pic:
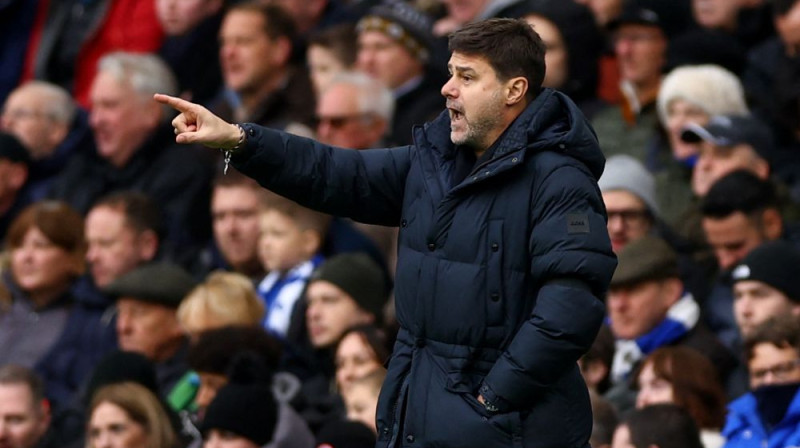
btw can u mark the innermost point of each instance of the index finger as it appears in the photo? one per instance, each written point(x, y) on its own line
point(178, 103)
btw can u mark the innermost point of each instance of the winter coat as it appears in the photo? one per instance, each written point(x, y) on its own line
point(743, 427)
point(498, 274)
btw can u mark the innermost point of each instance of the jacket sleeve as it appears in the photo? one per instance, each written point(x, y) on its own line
point(365, 185)
point(571, 264)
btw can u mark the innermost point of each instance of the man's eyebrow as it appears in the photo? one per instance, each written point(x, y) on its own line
point(461, 69)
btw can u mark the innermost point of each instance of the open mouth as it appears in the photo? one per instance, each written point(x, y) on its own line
point(455, 115)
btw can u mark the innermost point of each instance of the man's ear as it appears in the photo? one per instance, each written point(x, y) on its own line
point(516, 88)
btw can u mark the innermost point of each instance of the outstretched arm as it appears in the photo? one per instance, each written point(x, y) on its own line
point(196, 124)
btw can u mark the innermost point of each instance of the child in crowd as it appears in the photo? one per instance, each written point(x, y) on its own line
point(361, 398)
point(291, 238)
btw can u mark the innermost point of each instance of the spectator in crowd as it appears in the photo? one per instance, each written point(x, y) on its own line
point(330, 51)
point(361, 398)
point(24, 412)
point(604, 11)
point(740, 212)
point(688, 94)
point(640, 46)
point(648, 309)
point(728, 143)
point(14, 174)
point(683, 376)
point(765, 285)
point(395, 46)
point(255, 50)
point(595, 364)
point(76, 35)
point(42, 323)
point(574, 45)
point(354, 111)
point(657, 426)
point(191, 29)
point(44, 117)
point(147, 299)
point(124, 229)
point(768, 415)
point(128, 415)
point(236, 205)
point(747, 21)
point(289, 249)
point(629, 195)
point(222, 299)
point(604, 421)
point(135, 151)
point(362, 350)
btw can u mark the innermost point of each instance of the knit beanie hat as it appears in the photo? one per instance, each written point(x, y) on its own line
point(345, 434)
point(403, 23)
point(712, 88)
point(360, 277)
point(624, 172)
point(776, 263)
point(245, 406)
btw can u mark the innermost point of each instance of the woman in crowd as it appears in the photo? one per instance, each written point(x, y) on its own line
point(361, 351)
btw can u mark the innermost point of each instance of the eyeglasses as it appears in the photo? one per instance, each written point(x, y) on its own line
point(779, 371)
point(339, 121)
point(629, 217)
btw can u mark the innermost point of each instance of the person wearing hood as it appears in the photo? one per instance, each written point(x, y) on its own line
point(768, 415)
point(503, 250)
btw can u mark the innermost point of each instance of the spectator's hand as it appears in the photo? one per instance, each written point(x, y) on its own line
point(196, 124)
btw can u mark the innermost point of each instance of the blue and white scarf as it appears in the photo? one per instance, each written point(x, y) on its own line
point(681, 318)
point(281, 292)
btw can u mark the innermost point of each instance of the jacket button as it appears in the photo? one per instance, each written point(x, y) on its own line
point(495, 297)
point(431, 247)
point(252, 132)
point(385, 430)
point(403, 223)
point(495, 247)
point(410, 438)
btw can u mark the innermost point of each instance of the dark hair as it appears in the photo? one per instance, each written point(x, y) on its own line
point(511, 47)
point(604, 420)
point(215, 349)
point(372, 336)
point(141, 212)
point(781, 7)
point(341, 40)
point(602, 351)
point(14, 374)
point(695, 383)
point(59, 222)
point(739, 191)
point(782, 331)
point(662, 425)
point(277, 21)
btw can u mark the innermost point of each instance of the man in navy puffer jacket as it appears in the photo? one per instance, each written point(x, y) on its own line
point(503, 251)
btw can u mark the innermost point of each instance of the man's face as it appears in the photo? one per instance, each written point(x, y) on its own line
point(341, 122)
point(22, 421)
point(147, 328)
point(475, 101)
point(120, 118)
point(732, 237)
point(235, 214)
point(210, 384)
point(25, 116)
point(385, 59)
point(788, 28)
point(715, 162)
point(323, 65)
point(114, 247)
point(755, 302)
point(464, 11)
point(330, 312)
point(716, 14)
point(637, 309)
point(178, 17)
point(555, 58)
point(771, 365)
point(640, 51)
point(247, 54)
point(628, 219)
point(282, 245)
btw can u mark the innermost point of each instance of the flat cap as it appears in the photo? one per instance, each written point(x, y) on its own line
point(160, 283)
point(648, 258)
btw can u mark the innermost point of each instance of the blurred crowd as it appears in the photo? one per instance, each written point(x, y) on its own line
point(148, 299)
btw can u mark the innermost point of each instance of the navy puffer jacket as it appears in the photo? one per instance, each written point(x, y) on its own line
point(498, 277)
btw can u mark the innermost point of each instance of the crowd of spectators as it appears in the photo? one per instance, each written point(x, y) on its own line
point(151, 298)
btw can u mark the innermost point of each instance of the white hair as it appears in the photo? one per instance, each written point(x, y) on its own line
point(373, 96)
point(146, 73)
point(710, 87)
point(58, 103)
